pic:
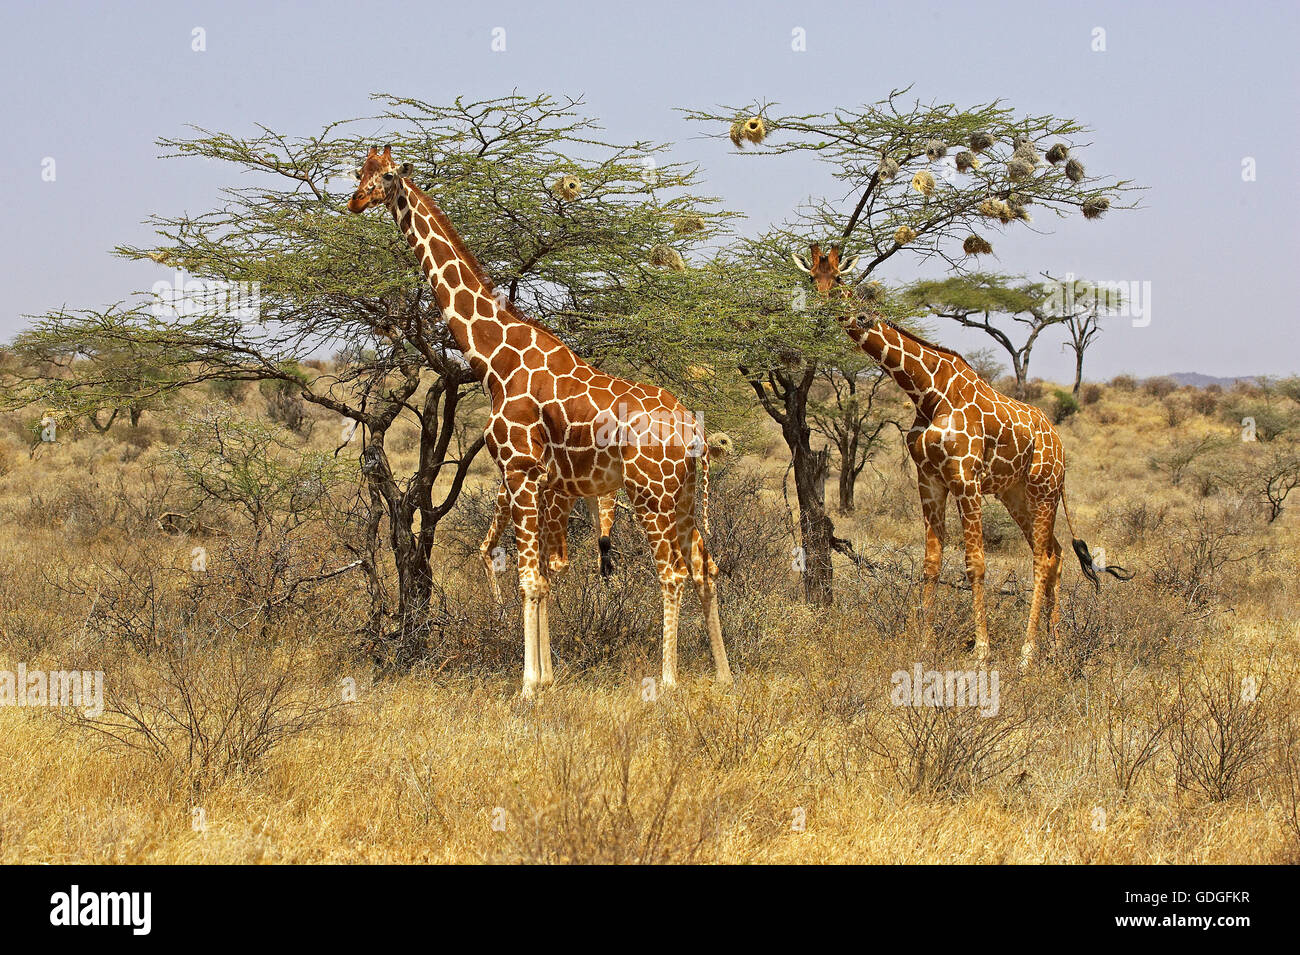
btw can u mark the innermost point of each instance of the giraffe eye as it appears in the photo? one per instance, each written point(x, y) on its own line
point(388, 176)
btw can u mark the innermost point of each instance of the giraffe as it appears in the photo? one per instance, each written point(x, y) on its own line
point(968, 440)
point(602, 510)
point(560, 429)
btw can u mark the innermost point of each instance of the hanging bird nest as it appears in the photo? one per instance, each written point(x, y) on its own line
point(1058, 153)
point(162, 257)
point(981, 141)
point(1074, 171)
point(996, 209)
point(1018, 168)
point(967, 161)
point(1028, 153)
point(935, 149)
point(872, 292)
point(1019, 140)
point(567, 187)
point(1017, 207)
point(748, 129)
point(888, 169)
point(976, 245)
point(688, 225)
point(668, 258)
point(1095, 207)
point(904, 234)
point(923, 182)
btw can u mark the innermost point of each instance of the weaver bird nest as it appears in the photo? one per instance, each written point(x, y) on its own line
point(923, 182)
point(1095, 207)
point(668, 258)
point(904, 234)
point(567, 187)
point(975, 245)
point(750, 129)
point(688, 225)
point(981, 141)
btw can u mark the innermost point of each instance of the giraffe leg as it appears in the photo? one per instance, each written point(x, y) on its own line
point(555, 547)
point(705, 573)
point(661, 530)
point(488, 549)
point(968, 505)
point(1046, 565)
point(604, 509)
point(525, 502)
point(934, 505)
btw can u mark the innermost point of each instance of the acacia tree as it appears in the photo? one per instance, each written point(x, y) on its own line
point(990, 302)
point(906, 177)
point(328, 282)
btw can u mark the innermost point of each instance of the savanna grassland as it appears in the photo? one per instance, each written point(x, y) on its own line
point(247, 718)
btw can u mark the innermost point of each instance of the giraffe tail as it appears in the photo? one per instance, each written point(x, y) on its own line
point(1090, 566)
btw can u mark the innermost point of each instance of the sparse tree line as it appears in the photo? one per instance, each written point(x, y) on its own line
point(612, 245)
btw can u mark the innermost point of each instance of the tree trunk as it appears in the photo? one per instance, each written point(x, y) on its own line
point(816, 531)
point(848, 484)
point(1078, 370)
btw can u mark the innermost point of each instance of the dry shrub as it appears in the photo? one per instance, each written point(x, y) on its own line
point(1205, 402)
point(1160, 387)
point(206, 673)
point(1130, 716)
point(1176, 410)
point(949, 751)
point(1221, 726)
point(1198, 555)
point(1124, 383)
point(1137, 518)
point(1090, 394)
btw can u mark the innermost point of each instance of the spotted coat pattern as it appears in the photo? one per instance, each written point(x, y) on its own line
point(967, 440)
point(560, 429)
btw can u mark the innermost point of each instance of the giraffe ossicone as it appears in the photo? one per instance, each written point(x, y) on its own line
point(541, 431)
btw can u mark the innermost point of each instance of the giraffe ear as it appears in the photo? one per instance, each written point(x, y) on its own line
point(388, 151)
point(849, 264)
point(405, 169)
point(800, 262)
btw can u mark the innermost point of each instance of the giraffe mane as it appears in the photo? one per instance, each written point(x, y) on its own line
point(952, 353)
point(452, 236)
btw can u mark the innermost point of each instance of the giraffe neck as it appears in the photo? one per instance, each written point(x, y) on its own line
point(477, 319)
point(921, 370)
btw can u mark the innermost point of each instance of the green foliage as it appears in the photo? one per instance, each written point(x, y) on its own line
point(1065, 405)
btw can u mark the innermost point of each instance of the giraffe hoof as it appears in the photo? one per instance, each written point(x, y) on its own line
point(1026, 658)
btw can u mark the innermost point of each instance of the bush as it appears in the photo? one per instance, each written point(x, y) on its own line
point(1064, 406)
point(1204, 402)
point(1090, 394)
point(1160, 387)
point(1124, 383)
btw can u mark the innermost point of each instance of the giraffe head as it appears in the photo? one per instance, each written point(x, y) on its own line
point(376, 178)
point(825, 271)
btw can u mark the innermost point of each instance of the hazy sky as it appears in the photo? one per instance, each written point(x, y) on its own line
point(1181, 95)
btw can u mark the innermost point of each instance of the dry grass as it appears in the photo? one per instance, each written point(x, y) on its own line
point(1105, 754)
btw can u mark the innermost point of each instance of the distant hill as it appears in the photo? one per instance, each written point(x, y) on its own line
point(1197, 380)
